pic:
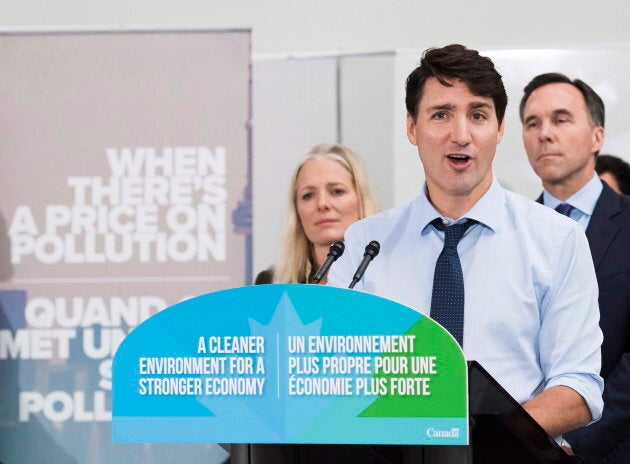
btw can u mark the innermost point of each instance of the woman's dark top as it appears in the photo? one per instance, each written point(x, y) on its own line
point(266, 277)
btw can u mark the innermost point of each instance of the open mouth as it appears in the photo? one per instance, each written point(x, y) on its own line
point(459, 160)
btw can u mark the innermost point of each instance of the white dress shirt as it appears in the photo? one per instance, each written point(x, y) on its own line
point(583, 201)
point(531, 313)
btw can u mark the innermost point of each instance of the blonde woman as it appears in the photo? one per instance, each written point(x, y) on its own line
point(329, 191)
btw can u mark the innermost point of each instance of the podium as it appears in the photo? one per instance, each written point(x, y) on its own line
point(501, 432)
point(309, 374)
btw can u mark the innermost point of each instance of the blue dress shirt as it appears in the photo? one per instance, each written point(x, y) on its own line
point(583, 201)
point(531, 313)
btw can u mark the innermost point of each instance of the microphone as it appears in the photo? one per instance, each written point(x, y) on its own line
point(336, 250)
point(371, 251)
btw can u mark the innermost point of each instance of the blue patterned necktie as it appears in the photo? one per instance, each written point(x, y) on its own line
point(447, 299)
point(564, 208)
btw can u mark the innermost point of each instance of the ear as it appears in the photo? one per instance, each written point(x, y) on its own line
point(598, 138)
point(501, 131)
point(411, 130)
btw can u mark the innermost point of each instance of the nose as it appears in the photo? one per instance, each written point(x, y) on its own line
point(545, 134)
point(460, 133)
point(323, 201)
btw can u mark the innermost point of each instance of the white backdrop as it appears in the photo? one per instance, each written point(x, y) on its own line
point(350, 26)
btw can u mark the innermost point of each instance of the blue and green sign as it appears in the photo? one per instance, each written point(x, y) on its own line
point(290, 364)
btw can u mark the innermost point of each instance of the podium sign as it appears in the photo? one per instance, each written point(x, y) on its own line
point(290, 364)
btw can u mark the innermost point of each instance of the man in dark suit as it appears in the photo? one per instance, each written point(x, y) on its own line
point(563, 130)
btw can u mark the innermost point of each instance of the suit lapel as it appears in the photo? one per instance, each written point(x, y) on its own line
point(601, 229)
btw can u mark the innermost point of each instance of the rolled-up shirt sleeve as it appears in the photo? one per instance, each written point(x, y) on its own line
point(570, 336)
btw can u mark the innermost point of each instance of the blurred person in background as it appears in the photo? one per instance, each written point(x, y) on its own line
point(615, 172)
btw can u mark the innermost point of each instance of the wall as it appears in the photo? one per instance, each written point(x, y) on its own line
point(349, 25)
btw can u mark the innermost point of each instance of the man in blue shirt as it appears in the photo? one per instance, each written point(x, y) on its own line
point(529, 296)
point(563, 131)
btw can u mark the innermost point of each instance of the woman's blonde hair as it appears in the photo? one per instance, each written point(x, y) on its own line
point(296, 261)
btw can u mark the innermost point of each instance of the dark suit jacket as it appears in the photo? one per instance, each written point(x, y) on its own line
point(608, 233)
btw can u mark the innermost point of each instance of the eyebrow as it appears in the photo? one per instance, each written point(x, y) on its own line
point(450, 106)
point(444, 106)
point(327, 184)
point(478, 105)
point(554, 113)
point(530, 118)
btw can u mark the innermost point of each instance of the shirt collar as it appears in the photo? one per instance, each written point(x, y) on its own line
point(484, 211)
point(583, 200)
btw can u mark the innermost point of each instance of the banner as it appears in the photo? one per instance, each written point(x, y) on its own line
point(290, 364)
point(124, 188)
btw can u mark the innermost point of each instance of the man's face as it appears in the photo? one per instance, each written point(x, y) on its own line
point(559, 136)
point(457, 134)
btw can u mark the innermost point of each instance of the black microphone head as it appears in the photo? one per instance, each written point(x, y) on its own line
point(372, 249)
point(336, 249)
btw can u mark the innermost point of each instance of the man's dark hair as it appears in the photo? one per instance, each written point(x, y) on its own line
point(456, 62)
point(594, 104)
point(618, 168)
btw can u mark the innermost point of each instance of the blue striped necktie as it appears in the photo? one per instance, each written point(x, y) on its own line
point(447, 299)
point(564, 208)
